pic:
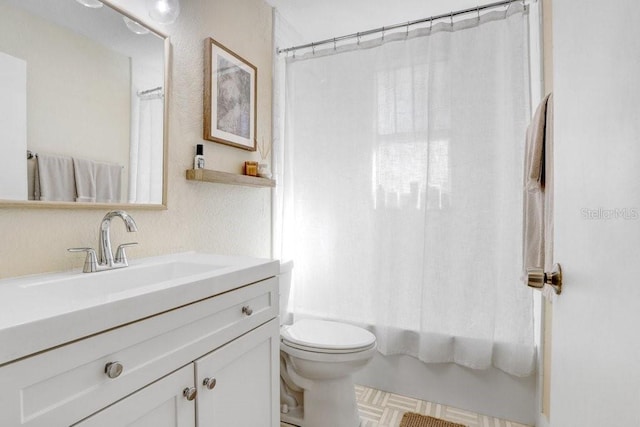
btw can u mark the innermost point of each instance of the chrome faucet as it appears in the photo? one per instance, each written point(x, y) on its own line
point(105, 259)
point(105, 256)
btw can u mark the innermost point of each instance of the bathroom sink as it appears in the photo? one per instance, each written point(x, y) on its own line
point(76, 304)
point(121, 282)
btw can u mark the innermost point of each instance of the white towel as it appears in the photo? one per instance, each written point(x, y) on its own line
point(108, 182)
point(85, 174)
point(54, 178)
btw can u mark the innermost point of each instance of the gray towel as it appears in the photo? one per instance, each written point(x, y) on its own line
point(534, 163)
point(538, 189)
point(108, 182)
point(54, 178)
point(85, 175)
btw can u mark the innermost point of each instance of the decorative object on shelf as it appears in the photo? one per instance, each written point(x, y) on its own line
point(164, 11)
point(198, 160)
point(251, 168)
point(264, 170)
point(230, 88)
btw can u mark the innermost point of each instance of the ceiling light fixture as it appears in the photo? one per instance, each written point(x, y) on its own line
point(94, 4)
point(134, 26)
point(164, 11)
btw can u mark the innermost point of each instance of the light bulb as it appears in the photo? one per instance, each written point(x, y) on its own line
point(164, 11)
point(134, 26)
point(94, 4)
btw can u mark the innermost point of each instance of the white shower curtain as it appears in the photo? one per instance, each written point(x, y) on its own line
point(400, 199)
point(146, 150)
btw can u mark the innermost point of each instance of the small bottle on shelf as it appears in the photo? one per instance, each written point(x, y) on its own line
point(198, 160)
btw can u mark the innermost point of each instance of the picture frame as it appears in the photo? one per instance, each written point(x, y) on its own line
point(230, 97)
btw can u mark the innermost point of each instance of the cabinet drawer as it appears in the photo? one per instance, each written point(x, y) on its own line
point(65, 384)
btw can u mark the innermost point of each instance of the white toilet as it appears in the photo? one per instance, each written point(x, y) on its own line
point(317, 360)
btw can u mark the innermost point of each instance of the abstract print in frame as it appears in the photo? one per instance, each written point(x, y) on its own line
point(230, 84)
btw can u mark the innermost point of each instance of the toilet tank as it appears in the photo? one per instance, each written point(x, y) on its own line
point(286, 271)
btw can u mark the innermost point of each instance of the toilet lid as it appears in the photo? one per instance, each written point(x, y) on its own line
point(326, 336)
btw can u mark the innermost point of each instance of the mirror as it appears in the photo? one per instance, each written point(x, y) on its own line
point(83, 95)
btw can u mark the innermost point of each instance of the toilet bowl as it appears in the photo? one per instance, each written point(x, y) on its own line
point(317, 361)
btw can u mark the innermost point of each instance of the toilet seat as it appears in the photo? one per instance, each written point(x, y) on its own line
point(322, 336)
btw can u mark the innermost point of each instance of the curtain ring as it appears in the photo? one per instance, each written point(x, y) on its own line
point(451, 17)
point(478, 11)
point(358, 36)
point(430, 24)
point(334, 43)
point(407, 33)
point(313, 49)
point(382, 33)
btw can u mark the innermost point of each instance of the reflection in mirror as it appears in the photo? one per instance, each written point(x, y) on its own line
point(83, 92)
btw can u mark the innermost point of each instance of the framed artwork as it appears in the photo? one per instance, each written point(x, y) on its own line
point(230, 87)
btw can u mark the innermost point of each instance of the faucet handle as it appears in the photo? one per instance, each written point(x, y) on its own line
point(90, 262)
point(121, 255)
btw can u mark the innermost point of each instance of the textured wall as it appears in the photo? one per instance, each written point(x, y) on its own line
point(200, 216)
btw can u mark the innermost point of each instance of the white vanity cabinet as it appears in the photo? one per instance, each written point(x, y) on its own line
point(236, 382)
point(136, 374)
point(160, 404)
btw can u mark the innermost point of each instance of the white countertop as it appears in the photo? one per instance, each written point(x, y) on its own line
point(42, 311)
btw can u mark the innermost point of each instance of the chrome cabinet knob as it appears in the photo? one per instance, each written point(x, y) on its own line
point(113, 369)
point(209, 383)
point(190, 393)
point(247, 310)
point(537, 278)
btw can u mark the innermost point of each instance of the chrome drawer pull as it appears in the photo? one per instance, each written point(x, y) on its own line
point(209, 383)
point(113, 369)
point(190, 393)
point(247, 310)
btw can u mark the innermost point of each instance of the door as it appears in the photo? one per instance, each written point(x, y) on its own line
point(238, 383)
point(596, 345)
point(160, 404)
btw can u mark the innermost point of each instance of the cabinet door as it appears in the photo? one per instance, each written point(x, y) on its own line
point(160, 404)
point(246, 373)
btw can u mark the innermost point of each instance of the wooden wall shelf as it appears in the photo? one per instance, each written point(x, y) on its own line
point(208, 175)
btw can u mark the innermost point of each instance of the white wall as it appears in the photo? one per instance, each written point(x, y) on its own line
point(596, 346)
point(200, 216)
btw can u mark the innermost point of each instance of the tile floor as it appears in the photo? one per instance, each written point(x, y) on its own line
point(382, 409)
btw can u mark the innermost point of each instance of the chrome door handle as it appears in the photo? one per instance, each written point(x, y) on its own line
point(537, 278)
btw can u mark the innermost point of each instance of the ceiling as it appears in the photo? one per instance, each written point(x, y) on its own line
point(316, 20)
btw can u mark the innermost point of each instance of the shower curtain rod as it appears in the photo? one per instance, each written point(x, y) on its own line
point(403, 25)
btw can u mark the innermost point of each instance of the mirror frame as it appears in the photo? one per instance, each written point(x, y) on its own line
point(38, 204)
